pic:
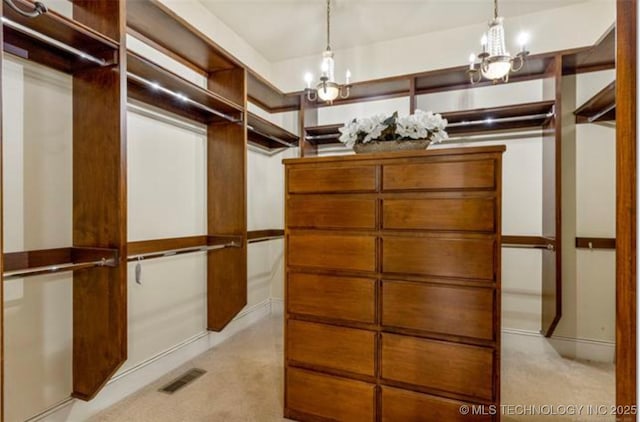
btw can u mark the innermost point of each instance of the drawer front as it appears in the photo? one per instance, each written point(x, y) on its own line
point(344, 298)
point(320, 345)
point(330, 212)
point(328, 251)
point(333, 398)
point(402, 405)
point(478, 174)
point(467, 214)
point(451, 367)
point(334, 179)
point(451, 310)
point(439, 257)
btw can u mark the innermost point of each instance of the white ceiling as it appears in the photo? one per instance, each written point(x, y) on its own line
point(282, 29)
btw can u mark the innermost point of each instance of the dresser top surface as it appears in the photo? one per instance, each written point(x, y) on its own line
point(399, 154)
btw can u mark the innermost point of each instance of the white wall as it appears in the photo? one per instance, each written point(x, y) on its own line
point(37, 143)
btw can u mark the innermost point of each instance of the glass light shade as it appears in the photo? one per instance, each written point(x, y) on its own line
point(328, 65)
point(328, 92)
point(496, 69)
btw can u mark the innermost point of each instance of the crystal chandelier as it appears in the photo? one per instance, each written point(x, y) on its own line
point(495, 62)
point(327, 89)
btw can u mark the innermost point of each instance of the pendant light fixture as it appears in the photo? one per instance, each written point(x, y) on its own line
point(495, 62)
point(327, 89)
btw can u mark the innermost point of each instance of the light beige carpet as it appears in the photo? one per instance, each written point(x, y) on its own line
point(243, 382)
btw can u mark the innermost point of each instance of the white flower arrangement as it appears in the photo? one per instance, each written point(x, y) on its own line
point(382, 128)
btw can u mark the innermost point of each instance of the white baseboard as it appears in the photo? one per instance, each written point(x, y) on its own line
point(574, 348)
point(133, 379)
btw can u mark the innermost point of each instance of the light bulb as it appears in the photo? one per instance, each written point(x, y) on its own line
point(472, 61)
point(484, 40)
point(308, 78)
point(348, 77)
point(523, 40)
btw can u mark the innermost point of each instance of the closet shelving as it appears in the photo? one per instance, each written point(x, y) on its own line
point(56, 41)
point(599, 108)
point(515, 117)
point(150, 83)
point(87, 46)
point(269, 135)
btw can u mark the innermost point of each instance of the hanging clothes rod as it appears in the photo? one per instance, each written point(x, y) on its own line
point(182, 97)
point(53, 42)
point(273, 138)
point(10, 275)
point(601, 113)
point(549, 246)
point(173, 252)
point(489, 121)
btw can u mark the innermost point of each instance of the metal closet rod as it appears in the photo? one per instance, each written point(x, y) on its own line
point(156, 86)
point(273, 138)
point(50, 269)
point(53, 42)
point(548, 246)
point(601, 113)
point(173, 252)
point(487, 121)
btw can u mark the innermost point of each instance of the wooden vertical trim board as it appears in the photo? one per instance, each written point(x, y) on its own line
point(99, 205)
point(307, 117)
point(227, 207)
point(626, 197)
point(413, 100)
point(551, 311)
point(1, 240)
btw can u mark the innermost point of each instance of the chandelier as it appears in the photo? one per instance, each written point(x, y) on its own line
point(495, 62)
point(327, 89)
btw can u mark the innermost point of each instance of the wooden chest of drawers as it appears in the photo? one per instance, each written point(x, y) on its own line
point(393, 285)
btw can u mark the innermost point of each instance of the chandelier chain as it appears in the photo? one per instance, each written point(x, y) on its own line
point(495, 9)
point(328, 24)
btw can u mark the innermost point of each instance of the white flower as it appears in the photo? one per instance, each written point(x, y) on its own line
point(349, 133)
point(372, 127)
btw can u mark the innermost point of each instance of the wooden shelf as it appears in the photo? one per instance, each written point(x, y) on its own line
point(256, 236)
point(599, 108)
point(155, 23)
point(600, 56)
point(515, 117)
point(47, 261)
point(499, 119)
point(38, 39)
point(166, 247)
point(143, 74)
point(268, 97)
point(268, 135)
point(595, 242)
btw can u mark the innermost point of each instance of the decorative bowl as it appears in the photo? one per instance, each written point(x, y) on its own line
point(388, 146)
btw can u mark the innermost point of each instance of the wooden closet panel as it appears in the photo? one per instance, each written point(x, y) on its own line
point(451, 367)
point(464, 214)
point(479, 174)
point(342, 298)
point(335, 179)
point(403, 405)
point(329, 251)
point(333, 398)
point(226, 286)
point(439, 256)
point(452, 310)
point(327, 212)
point(339, 348)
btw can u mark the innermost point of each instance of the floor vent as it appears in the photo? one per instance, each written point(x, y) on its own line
point(183, 380)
